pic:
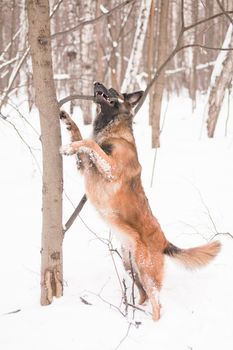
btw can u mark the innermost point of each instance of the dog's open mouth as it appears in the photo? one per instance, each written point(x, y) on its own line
point(99, 96)
point(103, 95)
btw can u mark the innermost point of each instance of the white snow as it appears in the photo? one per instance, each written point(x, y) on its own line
point(192, 197)
point(103, 9)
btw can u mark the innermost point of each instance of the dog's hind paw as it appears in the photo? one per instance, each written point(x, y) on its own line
point(67, 150)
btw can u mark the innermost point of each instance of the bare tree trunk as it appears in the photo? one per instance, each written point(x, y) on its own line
point(46, 101)
point(1, 43)
point(159, 85)
point(150, 58)
point(220, 81)
point(136, 53)
point(193, 72)
point(113, 58)
point(99, 53)
point(87, 59)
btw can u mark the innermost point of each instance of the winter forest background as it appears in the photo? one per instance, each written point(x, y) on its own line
point(180, 52)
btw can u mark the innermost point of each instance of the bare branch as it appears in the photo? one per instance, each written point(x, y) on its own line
point(55, 8)
point(22, 60)
point(206, 47)
point(5, 64)
point(75, 213)
point(13, 76)
point(224, 11)
point(222, 233)
point(182, 16)
point(125, 337)
point(23, 140)
point(94, 20)
point(9, 44)
point(75, 97)
point(207, 19)
point(177, 49)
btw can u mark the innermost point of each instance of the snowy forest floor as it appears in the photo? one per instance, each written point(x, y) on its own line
point(192, 197)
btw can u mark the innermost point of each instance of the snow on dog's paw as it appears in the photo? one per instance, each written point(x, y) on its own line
point(67, 150)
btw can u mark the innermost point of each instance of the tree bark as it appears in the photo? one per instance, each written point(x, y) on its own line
point(137, 49)
point(46, 101)
point(151, 54)
point(87, 59)
point(159, 85)
point(220, 81)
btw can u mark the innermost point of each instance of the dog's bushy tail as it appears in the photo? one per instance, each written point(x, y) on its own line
point(194, 257)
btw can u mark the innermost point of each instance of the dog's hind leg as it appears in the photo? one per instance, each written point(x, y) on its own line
point(151, 273)
point(130, 268)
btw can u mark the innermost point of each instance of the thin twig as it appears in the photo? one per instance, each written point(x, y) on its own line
point(21, 62)
point(207, 19)
point(207, 209)
point(125, 337)
point(93, 20)
point(107, 302)
point(25, 142)
point(224, 11)
point(115, 267)
point(222, 233)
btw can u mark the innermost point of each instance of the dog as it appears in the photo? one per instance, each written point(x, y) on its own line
point(112, 174)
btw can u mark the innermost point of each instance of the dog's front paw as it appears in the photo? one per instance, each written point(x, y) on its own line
point(67, 150)
point(65, 118)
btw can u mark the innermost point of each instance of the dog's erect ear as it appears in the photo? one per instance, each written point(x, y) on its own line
point(134, 97)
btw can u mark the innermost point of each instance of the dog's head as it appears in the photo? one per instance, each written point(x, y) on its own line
point(113, 104)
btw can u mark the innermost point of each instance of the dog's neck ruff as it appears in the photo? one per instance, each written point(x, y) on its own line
point(103, 124)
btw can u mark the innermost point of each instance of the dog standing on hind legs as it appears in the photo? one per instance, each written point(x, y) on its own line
point(112, 174)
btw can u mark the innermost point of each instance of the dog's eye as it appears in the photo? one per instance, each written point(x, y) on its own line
point(112, 102)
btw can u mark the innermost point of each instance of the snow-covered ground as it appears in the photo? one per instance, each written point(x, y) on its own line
point(191, 195)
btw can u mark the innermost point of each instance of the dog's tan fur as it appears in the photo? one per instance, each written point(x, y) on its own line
point(113, 185)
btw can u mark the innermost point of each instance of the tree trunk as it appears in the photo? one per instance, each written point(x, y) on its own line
point(46, 101)
point(151, 54)
point(137, 49)
point(99, 52)
point(159, 85)
point(220, 81)
point(87, 59)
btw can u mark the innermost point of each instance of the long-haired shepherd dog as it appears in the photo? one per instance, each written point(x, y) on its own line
point(112, 173)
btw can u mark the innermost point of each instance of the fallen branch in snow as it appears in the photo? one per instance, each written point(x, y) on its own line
point(11, 312)
point(84, 301)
